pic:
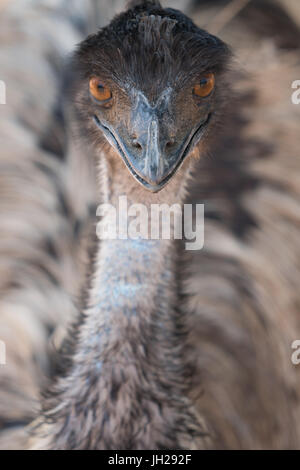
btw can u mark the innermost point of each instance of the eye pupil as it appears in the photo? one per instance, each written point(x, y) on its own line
point(203, 82)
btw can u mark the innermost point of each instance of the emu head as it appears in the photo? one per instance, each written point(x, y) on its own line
point(152, 84)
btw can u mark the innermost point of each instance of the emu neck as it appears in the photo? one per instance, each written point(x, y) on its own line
point(134, 275)
point(128, 387)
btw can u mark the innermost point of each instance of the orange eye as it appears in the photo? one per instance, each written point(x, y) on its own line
point(99, 91)
point(205, 86)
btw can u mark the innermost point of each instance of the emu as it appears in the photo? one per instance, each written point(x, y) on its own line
point(148, 106)
point(173, 350)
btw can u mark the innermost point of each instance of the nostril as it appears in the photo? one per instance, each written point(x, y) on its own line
point(170, 144)
point(136, 144)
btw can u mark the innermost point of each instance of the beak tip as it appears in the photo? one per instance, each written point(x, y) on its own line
point(153, 179)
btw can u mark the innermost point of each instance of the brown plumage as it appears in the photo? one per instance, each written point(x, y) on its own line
point(199, 354)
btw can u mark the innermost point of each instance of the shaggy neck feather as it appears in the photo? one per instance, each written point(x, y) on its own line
point(128, 386)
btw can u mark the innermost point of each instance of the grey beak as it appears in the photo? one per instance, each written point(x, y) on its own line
point(151, 151)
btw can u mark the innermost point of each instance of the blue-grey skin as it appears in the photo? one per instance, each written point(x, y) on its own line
point(152, 156)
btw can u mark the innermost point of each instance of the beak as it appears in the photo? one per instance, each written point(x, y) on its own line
point(149, 151)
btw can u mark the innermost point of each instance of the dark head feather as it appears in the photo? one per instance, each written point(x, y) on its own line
point(144, 3)
point(149, 41)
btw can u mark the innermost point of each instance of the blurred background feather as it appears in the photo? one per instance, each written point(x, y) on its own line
point(47, 202)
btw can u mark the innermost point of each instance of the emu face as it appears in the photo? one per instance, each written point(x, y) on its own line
point(152, 84)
